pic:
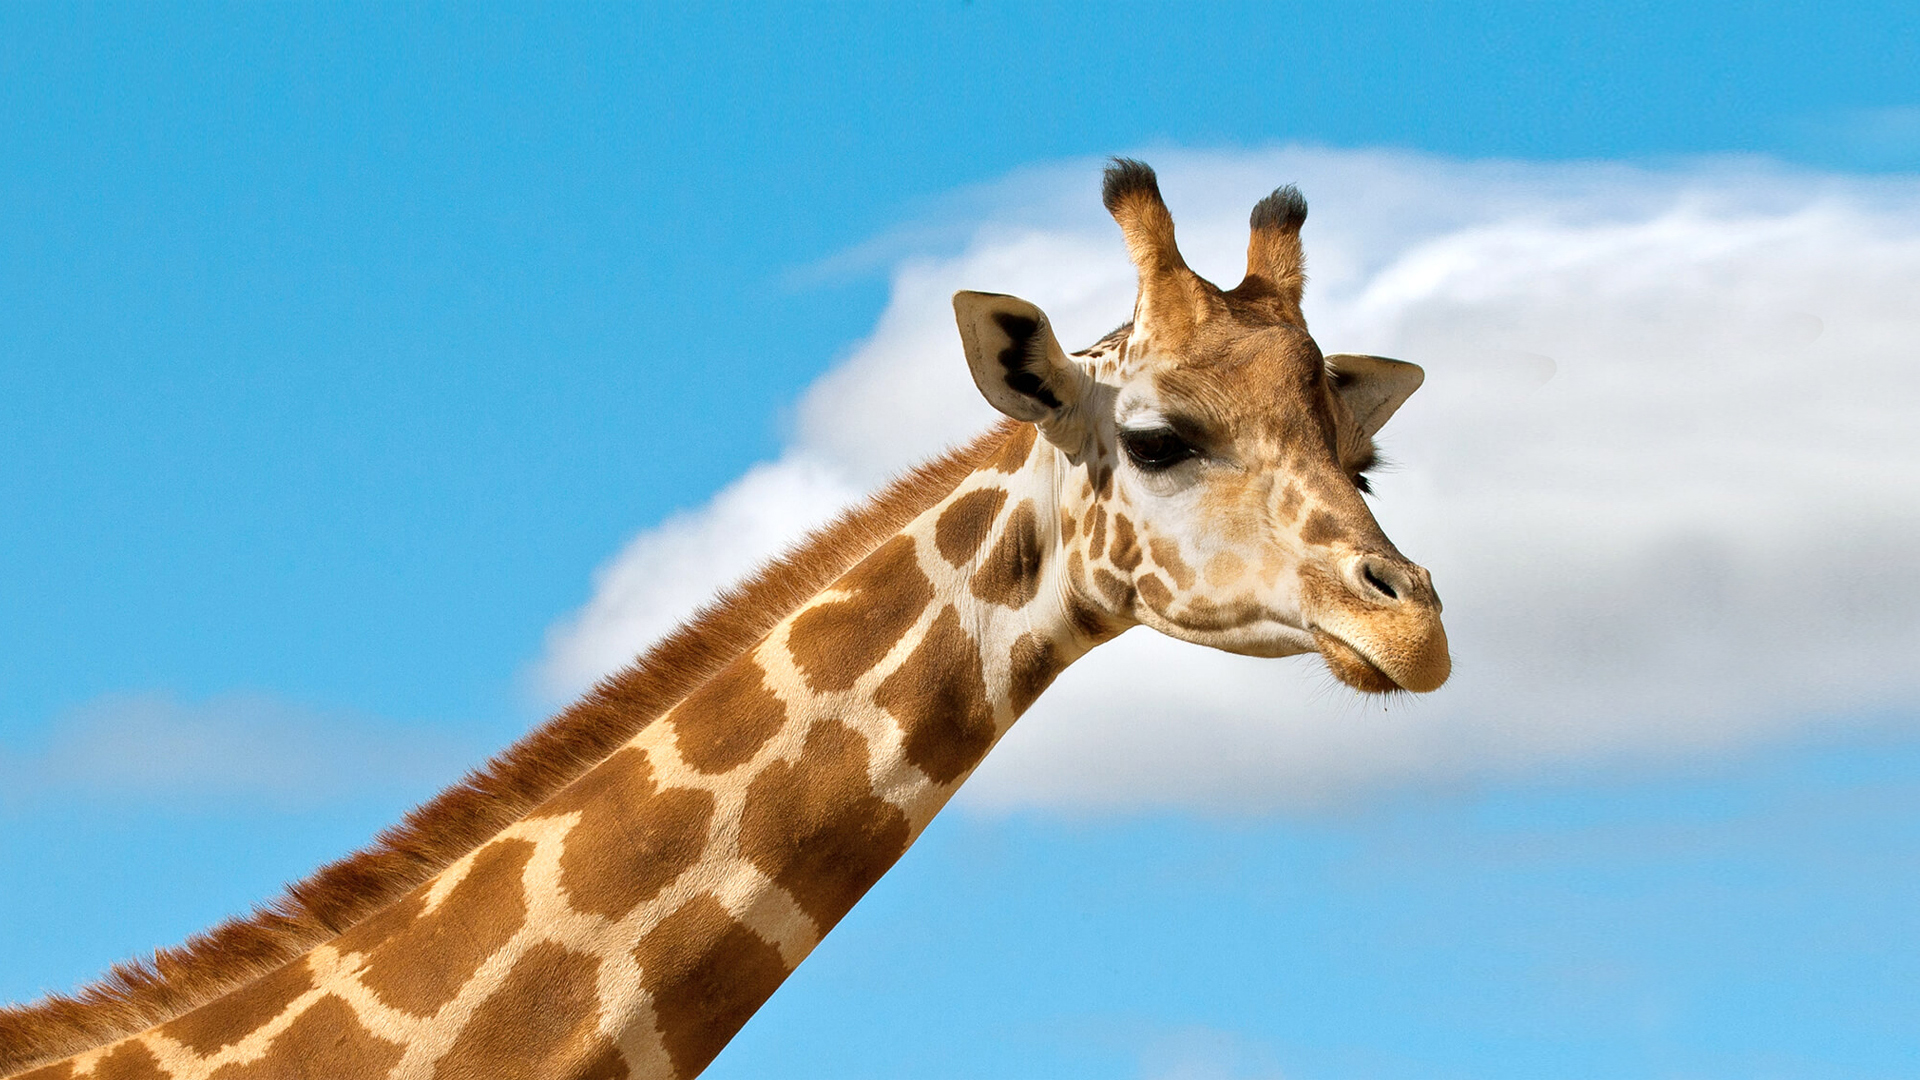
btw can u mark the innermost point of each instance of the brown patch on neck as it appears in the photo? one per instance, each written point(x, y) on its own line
point(939, 695)
point(966, 523)
point(423, 965)
point(1034, 661)
point(728, 720)
point(1014, 451)
point(836, 643)
point(542, 1022)
point(327, 1040)
point(130, 1061)
point(1010, 574)
point(633, 837)
point(138, 994)
point(707, 974)
point(227, 1020)
point(817, 829)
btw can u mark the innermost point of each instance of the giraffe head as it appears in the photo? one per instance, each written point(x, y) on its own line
point(1216, 459)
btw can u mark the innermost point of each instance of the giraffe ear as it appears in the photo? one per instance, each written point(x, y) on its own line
point(1373, 387)
point(1016, 361)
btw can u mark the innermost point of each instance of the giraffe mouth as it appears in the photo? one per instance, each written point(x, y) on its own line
point(1351, 666)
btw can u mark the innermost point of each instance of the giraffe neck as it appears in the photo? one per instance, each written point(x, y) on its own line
point(628, 926)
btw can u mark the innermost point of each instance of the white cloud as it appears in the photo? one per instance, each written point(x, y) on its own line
point(242, 748)
point(1665, 470)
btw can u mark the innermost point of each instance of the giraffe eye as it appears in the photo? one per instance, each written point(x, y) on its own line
point(1156, 449)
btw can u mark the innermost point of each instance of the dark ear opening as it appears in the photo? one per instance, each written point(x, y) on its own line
point(1016, 362)
point(1373, 387)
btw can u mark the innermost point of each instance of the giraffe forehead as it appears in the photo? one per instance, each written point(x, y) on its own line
point(1268, 384)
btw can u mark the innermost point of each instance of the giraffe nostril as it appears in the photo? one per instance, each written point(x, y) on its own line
point(1379, 584)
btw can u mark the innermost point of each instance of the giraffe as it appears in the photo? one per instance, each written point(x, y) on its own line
point(617, 894)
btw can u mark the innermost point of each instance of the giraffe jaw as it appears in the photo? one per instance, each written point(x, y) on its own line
point(1427, 670)
point(1351, 666)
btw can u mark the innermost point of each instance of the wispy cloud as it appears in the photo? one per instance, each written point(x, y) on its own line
point(234, 749)
point(1665, 468)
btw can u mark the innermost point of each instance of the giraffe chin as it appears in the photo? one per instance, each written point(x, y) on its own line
point(1351, 666)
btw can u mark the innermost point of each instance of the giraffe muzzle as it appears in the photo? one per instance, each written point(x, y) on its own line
point(1379, 627)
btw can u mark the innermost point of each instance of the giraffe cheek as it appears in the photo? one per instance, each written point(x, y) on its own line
point(1224, 570)
point(1155, 593)
point(1166, 555)
point(1126, 553)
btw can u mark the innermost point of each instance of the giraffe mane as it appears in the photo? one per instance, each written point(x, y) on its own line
point(140, 993)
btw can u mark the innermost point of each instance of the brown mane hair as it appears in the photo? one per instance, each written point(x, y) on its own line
point(140, 993)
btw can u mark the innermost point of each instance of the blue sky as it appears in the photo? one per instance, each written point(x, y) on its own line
point(343, 346)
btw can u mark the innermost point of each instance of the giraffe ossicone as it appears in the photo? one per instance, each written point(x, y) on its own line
point(616, 895)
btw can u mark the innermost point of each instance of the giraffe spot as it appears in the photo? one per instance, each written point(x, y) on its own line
point(606, 1064)
point(327, 1040)
point(1089, 621)
point(540, 1024)
point(965, 524)
point(1290, 501)
point(1126, 553)
point(633, 837)
point(1033, 663)
point(1224, 569)
point(707, 974)
point(1116, 591)
point(1166, 555)
point(1321, 528)
point(1330, 486)
point(728, 719)
point(836, 643)
point(1205, 614)
point(1154, 592)
point(1087, 618)
point(1010, 574)
point(1097, 536)
point(1012, 455)
point(424, 964)
point(1103, 479)
point(939, 695)
point(815, 827)
point(1067, 525)
point(226, 1020)
point(129, 1061)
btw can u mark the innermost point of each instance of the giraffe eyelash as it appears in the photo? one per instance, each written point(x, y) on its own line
point(1374, 462)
